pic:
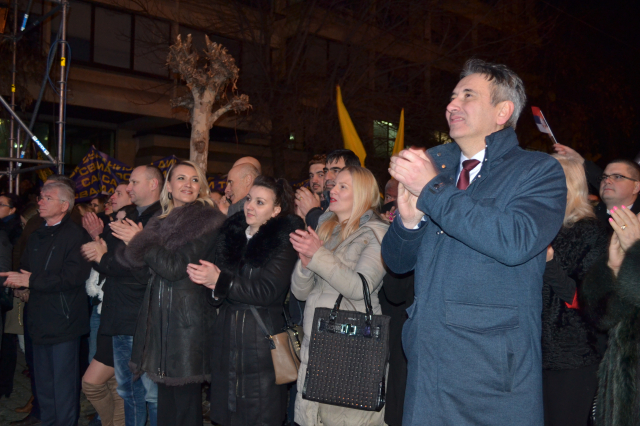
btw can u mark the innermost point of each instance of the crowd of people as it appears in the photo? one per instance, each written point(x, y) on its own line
point(512, 292)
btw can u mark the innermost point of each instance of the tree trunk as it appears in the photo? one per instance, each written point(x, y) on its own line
point(202, 103)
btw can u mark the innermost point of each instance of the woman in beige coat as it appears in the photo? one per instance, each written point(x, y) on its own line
point(347, 243)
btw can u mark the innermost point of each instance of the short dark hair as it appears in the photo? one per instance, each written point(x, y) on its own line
point(12, 198)
point(635, 167)
point(282, 190)
point(102, 198)
point(318, 159)
point(349, 157)
point(152, 172)
point(506, 85)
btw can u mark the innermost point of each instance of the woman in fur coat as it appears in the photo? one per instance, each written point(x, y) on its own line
point(173, 334)
point(612, 296)
point(250, 266)
point(570, 354)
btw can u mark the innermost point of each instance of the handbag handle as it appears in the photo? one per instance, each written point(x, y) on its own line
point(367, 302)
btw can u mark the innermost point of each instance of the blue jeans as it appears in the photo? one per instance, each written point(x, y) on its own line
point(137, 395)
point(94, 324)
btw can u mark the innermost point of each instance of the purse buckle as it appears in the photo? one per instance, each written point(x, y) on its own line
point(348, 329)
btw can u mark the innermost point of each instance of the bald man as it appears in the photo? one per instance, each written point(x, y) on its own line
point(239, 182)
point(249, 160)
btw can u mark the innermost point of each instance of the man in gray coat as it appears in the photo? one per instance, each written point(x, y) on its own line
point(474, 220)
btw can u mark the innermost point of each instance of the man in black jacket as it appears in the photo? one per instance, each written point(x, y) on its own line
point(54, 271)
point(123, 293)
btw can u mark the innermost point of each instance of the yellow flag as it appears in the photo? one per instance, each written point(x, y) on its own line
point(399, 143)
point(349, 134)
point(43, 174)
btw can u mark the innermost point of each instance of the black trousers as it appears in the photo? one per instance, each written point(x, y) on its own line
point(568, 395)
point(180, 405)
point(28, 354)
point(57, 369)
point(8, 360)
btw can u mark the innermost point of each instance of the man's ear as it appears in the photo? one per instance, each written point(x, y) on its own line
point(636, 190)
point(505, 111)
point(154, 184)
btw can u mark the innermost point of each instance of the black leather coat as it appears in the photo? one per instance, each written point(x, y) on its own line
point(255, 272)
point(173, 333)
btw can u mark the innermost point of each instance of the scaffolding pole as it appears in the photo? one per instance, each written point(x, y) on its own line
point(62, 41)
point(62, 84)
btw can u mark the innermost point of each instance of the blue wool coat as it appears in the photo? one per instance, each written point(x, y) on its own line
point(472, 339)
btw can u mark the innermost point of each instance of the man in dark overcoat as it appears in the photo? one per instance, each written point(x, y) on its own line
point(474, 221)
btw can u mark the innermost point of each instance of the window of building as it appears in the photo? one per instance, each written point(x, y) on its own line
point(112, 38)
point(384, 138)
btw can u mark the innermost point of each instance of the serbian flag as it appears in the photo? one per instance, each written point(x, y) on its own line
point(538, 117)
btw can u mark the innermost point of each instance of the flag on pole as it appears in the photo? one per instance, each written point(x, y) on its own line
point(349, 134)
point(399, 143)
point(542, 124)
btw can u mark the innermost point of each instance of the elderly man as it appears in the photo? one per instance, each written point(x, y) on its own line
point(55, 273)
point(474, 220)
point(239, 182)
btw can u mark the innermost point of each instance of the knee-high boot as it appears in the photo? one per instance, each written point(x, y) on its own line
point(100, 397)
point(118, 403)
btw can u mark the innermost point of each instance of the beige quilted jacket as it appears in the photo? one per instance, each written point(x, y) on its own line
point(329, 274)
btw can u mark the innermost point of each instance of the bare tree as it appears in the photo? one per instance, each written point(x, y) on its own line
point(208, 81)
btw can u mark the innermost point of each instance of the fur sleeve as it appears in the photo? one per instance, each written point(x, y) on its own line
point(629, 275)
point(132, 255)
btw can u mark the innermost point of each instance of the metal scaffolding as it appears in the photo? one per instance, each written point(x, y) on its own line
point(15, 159)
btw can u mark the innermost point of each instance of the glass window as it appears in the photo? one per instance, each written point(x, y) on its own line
point(112, 44)
point(78, 30)
point(151, 46)
point(384, 137)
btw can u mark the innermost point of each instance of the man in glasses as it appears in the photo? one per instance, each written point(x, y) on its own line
point(618, 185)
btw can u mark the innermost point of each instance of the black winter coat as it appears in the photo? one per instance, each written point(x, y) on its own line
point(123, 292)
point(174, 329)
point(255, 272)
point(569, 341)
point(614, 303)
point(58, 303)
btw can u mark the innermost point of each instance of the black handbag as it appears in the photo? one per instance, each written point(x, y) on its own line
point(348, 357)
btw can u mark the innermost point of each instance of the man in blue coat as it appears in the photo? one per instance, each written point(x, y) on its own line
point(475, 218)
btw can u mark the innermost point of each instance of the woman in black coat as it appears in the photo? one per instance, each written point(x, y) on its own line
point(570, 354)
point(612, 297)
point(252, 265)
point(173, 334)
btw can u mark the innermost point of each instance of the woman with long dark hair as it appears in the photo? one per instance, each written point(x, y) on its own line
point(250, 267)
point(173, 334)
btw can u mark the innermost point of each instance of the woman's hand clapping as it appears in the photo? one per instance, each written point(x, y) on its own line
point(626, 227)
point(206, 273)
point(306, 243)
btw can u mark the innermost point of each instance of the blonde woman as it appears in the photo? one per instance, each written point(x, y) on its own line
point(570, 354)
point(347, 243)
point(172, 339)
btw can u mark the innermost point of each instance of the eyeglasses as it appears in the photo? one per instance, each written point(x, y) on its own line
point(616, 178)
point(6, 205)
point(49, 199)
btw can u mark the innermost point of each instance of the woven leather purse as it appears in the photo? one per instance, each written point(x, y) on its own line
point(348, 357)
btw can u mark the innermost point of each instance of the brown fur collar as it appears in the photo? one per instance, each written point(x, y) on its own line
point(172, 232)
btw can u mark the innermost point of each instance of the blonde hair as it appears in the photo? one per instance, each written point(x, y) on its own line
point(203, 194)
point(365, 197)
point(578, 206)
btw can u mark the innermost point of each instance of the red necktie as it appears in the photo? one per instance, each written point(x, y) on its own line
point(467, 166)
